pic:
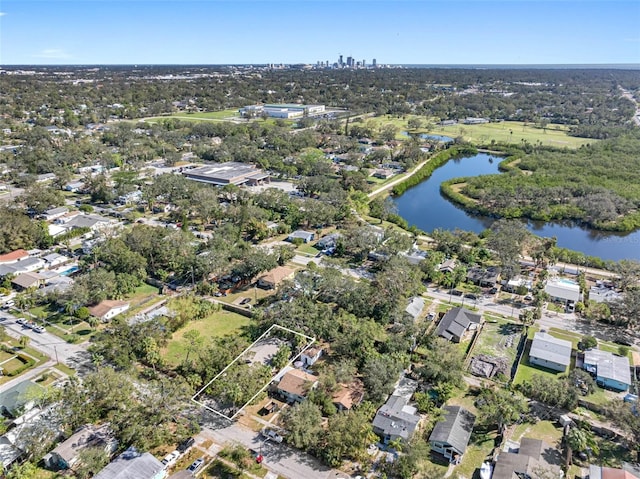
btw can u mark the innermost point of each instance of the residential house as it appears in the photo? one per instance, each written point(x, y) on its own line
point(311, 355)
point(23, 266)
point(448, 266)
point(512, 285)
point(18, 398)
point(295, 385)
point(549, 352)
point(486, 278)
point(273, 278)
point(54, 260)
point(305, 236)
point(57, 284)
point(14, 256)
point(415, 307)
point(349, 395)
point(108, 309)
point(28, 280)
point(74, 186)
point(396, 419)
point(45, 177)
point(329, 241)
point(458, 324)
point(610, 370)
point(604, 294)
point(132, 464)
point(383, 173)
point(67, 453)
point(529, 460)
point(451, 436)
point(53, 213)
point(415, 256)
point(602, 472)
point(563, 290)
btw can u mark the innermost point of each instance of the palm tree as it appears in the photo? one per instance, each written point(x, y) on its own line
point(578, 439)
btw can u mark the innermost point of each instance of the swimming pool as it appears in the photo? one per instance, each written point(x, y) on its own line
point(566, 281)
point(70, 271)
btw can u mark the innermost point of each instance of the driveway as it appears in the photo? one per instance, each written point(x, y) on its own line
point(279, 458)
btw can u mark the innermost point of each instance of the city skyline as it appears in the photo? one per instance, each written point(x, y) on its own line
point(283, 32)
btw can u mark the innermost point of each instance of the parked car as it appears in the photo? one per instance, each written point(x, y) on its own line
point(38, 329)
point(245, 301)
point(271, 434)
point(431, 316)
point(170, 459)
point(186, 445)
point(195, 465)
point(20, 321)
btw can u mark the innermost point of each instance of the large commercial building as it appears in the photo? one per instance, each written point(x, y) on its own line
point(282, 110)
point(231, 173)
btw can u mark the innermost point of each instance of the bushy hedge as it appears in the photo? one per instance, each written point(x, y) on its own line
point(430, 166)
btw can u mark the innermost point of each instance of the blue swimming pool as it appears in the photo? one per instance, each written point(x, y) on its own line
point(69, 271)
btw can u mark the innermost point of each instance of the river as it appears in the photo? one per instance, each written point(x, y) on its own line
point(424, 207)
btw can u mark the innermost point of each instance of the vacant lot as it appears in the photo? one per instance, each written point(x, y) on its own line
point(219, 323)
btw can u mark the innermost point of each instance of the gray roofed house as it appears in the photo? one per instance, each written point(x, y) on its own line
point(415, 307)
point(54, 213)
point(395, 419)
point(6, 269)
point(527, 462)
point(87, 221)
point(550, 352)
point(305, 236)
point(458, 323)
point(451, 436)
point(66, 454)
point(18, 397)
point(484, 277)
point(132, 464)
point(328, 241)
point(610, 370)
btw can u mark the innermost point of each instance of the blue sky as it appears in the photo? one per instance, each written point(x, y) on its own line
point(304, 31)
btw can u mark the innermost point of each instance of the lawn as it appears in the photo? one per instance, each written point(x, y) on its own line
point(201, 115)
point(307, 249)
point(219, 323)
point(512, 132)
point(543, 430)
point(480, 447)
point(502, 132)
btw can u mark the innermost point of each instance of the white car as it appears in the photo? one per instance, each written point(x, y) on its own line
point(271, 434)
point(170, 459)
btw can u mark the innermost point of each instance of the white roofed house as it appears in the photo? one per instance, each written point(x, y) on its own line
point(54, 260)
point(67, 453)
point(563, 291)
point(305, 236)
point(610, 370)
point(549, 352)
point(53, 213)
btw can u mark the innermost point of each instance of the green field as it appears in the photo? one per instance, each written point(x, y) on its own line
point(219, 323)
point(513, 132)
point(222, 115)
point(502, 132)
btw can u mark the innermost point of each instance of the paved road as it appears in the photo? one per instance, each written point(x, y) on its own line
point(73, 355)
point(395, 182)
point(279, 458)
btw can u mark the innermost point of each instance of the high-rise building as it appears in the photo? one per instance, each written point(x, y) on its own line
point(350, 62)
point(373, 63)
point(340, 61)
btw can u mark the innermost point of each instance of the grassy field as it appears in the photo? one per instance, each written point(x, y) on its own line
point(526, 371)
point(503, 132)
point(221, 115)
point(219, 323)
point(480, 447)
point(544, 430)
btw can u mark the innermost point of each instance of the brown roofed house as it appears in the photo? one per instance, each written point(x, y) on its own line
point(28, 280)
point(296, 384)
point(601, 472)
point(107, 309)
point(273, 278)
point(348, 395)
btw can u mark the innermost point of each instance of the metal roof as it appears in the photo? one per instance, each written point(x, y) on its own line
point(545, 346)
point(609, 365)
